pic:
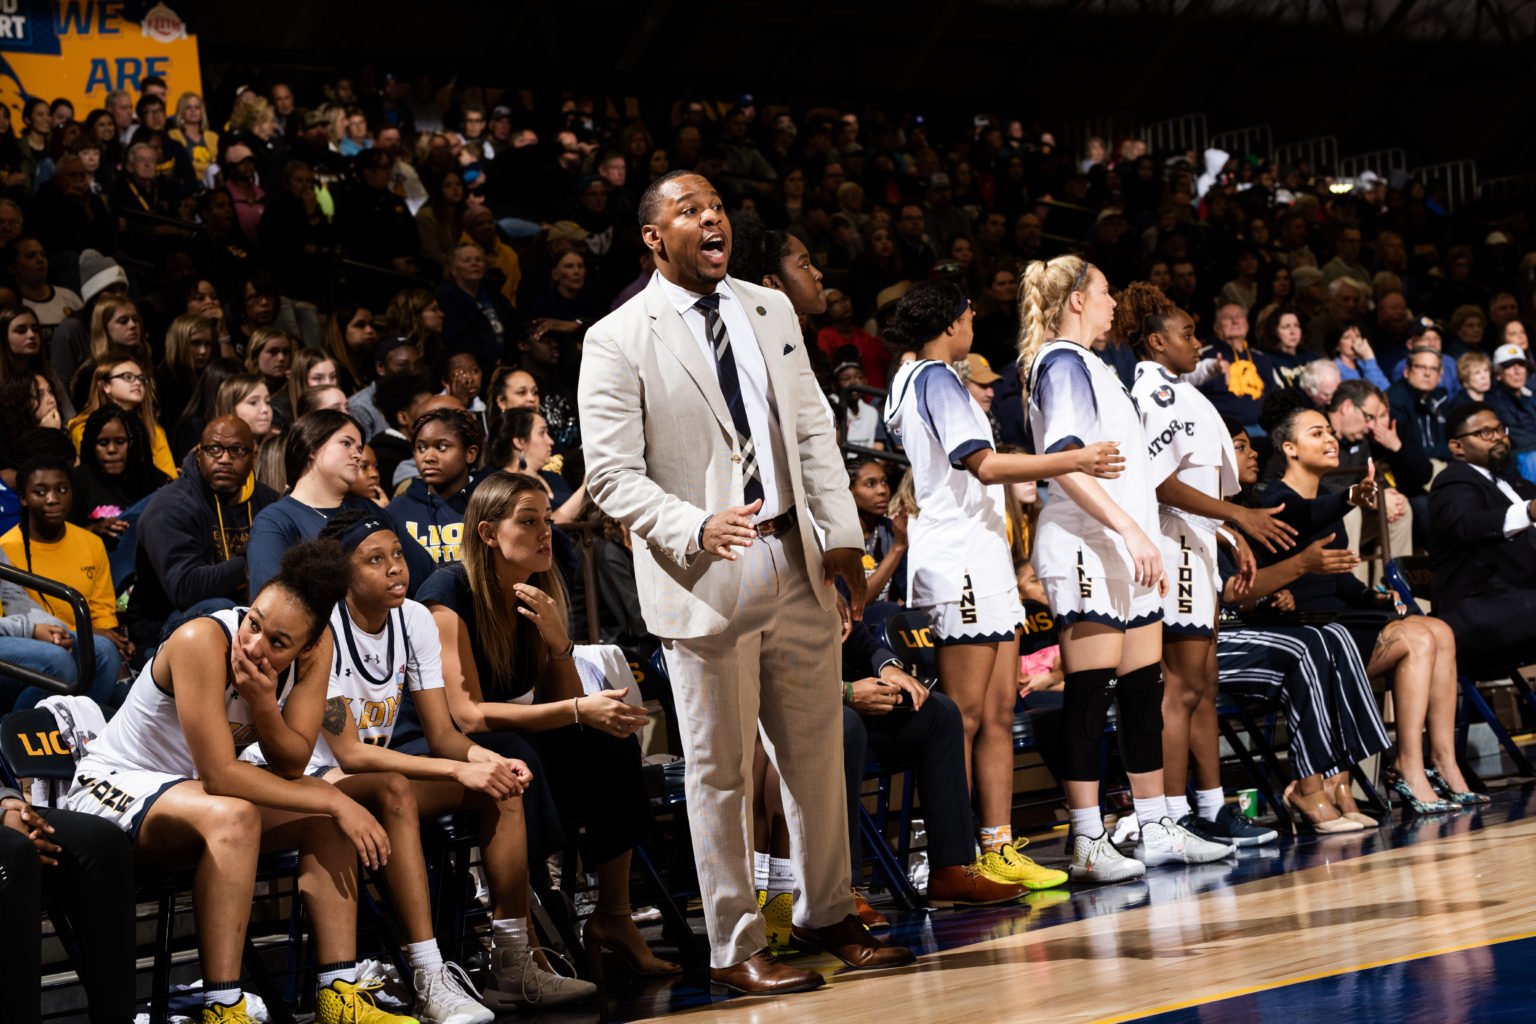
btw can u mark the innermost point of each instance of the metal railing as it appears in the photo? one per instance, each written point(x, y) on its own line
point(85, 638)
point(1321, 152)
point(1255, 140)
point(1510, 186)
point(1175, 133)
point(1382, 161)
point(1458, 176)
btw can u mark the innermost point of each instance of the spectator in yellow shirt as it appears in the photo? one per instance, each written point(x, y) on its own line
point(46, 543)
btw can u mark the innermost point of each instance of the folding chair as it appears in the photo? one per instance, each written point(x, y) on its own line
point(30, 747)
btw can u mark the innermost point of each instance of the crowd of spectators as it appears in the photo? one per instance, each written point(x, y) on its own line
point(195, 297)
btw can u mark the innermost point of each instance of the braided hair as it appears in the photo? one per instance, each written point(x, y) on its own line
point(140, 475)
point(1044, 288)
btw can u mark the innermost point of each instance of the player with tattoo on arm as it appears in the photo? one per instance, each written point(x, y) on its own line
point(386, 644)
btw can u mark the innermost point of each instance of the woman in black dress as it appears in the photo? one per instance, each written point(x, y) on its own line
point(1418, 650)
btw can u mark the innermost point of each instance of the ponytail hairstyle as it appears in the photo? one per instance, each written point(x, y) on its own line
point(1043, 291)
point(514, 425)
point(308, 435)
point(924, 313)
point(33, 466)
point(1143, 310)
point(511, 642)
point(316, 574)
point(757, 251)
point(1282, 408)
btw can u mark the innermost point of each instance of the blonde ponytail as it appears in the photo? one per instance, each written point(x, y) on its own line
point(1043, 290)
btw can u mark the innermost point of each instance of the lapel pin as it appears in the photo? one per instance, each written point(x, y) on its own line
point(761, 311)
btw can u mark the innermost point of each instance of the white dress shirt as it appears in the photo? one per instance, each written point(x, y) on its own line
point(1517, 517)
point(756, 389)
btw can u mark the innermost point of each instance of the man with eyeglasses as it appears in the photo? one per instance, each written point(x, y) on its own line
point(1482, 548)
point(1418, 401)
point(192, 535)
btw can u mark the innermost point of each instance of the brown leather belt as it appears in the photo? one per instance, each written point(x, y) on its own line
point(780, 523)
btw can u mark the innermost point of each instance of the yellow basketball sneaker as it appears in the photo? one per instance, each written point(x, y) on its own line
point(1011, 867)
point(344, 1002)
point(779, 914)
point(220, 1014)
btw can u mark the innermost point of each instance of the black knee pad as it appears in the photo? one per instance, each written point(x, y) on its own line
point(1084, 709)
point(1141, 718)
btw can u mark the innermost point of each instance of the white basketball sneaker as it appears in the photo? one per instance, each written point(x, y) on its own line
point(1165, 842)
point(1097, 860)
point(447, 996)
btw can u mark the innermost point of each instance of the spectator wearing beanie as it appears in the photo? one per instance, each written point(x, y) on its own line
point(70, 346)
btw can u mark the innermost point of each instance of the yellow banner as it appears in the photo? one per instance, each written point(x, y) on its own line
point(80, 50)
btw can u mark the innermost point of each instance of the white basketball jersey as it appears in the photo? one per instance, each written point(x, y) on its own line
point(1185, 437)
point(372, 671)
point(1075, 399)
point(958, 540)
point(146, 733)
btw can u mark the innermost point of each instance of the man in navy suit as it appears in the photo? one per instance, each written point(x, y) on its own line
point(1482, 544)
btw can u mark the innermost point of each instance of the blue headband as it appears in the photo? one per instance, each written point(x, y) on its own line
point(360, 531)
point(964, 304)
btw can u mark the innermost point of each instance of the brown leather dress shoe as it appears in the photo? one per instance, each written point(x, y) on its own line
point(850, 942)
point(966, 886)
point(762, 974)
point(868, 914)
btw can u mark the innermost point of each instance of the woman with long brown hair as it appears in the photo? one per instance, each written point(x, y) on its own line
point(123, 382)
point(508, 668)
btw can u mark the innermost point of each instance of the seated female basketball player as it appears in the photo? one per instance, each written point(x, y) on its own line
point(166, 771)
point(384, 644)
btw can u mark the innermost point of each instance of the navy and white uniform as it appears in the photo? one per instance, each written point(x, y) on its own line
point(959, 570)
point(1086, 568)
point(1186, 439)
point(143, 751)
point(372, 671)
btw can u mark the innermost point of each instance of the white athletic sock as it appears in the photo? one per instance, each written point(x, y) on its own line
point(342, 970)
point(1209, 802)
point(760, 870)
point(1151, 810)
point(1086, 821)
point(509, 933)
point(224, 993)
point(425, 955)
point(1178, 806)
point(781, 877)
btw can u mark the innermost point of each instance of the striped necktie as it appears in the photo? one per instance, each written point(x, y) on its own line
point(730, 386)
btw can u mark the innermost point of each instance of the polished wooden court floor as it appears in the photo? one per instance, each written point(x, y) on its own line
point(1430, 919)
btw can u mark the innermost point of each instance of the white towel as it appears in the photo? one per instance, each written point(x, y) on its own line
point(80, 720)
point(604, 667)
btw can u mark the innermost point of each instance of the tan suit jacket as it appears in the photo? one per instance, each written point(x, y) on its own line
point(662, 454)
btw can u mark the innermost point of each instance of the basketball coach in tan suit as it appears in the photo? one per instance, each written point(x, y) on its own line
point(704, 434)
